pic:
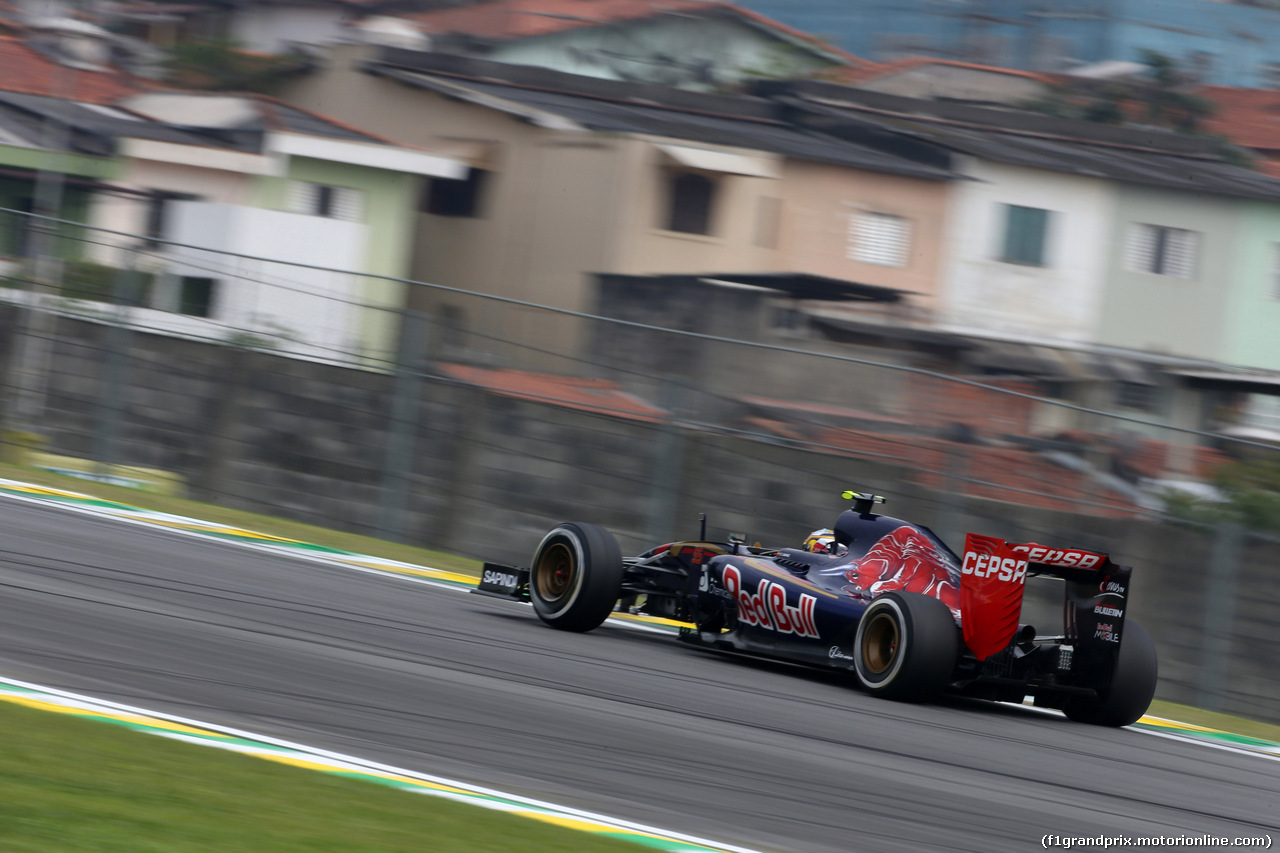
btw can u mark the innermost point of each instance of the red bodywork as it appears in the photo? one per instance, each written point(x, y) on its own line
point(906, 560)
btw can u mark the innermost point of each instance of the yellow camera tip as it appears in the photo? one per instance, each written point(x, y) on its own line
point(847, 495)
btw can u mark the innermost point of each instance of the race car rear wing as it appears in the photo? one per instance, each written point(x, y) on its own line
point(992, 578)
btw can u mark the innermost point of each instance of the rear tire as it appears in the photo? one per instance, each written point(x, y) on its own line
point(1133, 684)
point(906, 646)
point(575, 577)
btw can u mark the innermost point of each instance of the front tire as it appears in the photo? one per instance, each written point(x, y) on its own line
point(1133, 684)
point(906, 646)
point(575, 577)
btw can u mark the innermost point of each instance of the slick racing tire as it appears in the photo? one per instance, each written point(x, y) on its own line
point(906, 646)
point(575, 577)
point(1133, 684)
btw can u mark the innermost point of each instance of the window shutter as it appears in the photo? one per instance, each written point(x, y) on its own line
point(1140, 251)
point(348, 204)
point(1180, 253)
point(878, 238)
point(304, 197)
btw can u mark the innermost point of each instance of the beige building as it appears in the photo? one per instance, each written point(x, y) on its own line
point(572, 176)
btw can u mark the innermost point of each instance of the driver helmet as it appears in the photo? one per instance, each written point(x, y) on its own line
point(823, 541)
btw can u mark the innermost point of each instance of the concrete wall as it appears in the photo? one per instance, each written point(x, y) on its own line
point(1253, 313)
point(315, 308)
point(647, 246)
point(1161, 313)
point(385, 245)
point(1058, 301)
point(128, 212)
point(650, 361)
point(488, 474)
point(820, 201)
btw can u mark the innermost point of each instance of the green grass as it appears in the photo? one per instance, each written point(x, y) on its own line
point(248, 520)
point(1214, 720)
point(69, 785)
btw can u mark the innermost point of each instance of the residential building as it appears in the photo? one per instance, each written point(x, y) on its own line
point(1016, 231)
point(1132, 264)
point(1225, 42)
point(1059, 215)
point(572, 175)
point(280, 187)
point(267, 26)
point(47, 167)
point(694, 44)
point(220, 198)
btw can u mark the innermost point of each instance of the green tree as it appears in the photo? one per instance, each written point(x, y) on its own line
point(1164, 96)
point(1250, 491)
point(222, 66)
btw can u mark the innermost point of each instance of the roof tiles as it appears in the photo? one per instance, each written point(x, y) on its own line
point(587, 394)
point(1248, 117)
point(874, 71)
point(29, 72)
point(509, 19)
point(514, 19)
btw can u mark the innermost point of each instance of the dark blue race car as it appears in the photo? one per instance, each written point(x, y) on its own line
point(880, 597)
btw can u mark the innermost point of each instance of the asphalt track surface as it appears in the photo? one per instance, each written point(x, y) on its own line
point(624, 723)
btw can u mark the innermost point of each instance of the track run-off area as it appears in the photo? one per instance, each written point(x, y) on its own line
point(351, 664)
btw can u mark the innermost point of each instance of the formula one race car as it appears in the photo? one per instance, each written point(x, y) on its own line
point(879, 596)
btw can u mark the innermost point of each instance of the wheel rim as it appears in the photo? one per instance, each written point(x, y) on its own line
point(880, 644)
point(555, 572)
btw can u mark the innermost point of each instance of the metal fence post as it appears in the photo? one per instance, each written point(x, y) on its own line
point(668, 458)
point(115, 370)
point(403, 427)
point(1219, 615)
point(951, 500)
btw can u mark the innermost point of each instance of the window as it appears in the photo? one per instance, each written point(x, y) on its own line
point(17, 229)
point(1136, 395)
point(159, 211)
point(195, 296)
point(768, 220)
point(329, 202)
point(692, 197)
point(445, 197)
point(1024, 235)
point(878, 238)
point(1162, 251)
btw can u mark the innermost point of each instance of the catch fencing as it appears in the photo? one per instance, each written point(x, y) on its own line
point(471, 424)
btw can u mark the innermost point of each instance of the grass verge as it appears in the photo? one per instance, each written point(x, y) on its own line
point(248, 520)
point(74, 785)
point(1214, 720)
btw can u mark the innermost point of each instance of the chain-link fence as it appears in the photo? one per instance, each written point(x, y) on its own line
point(472, 424)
